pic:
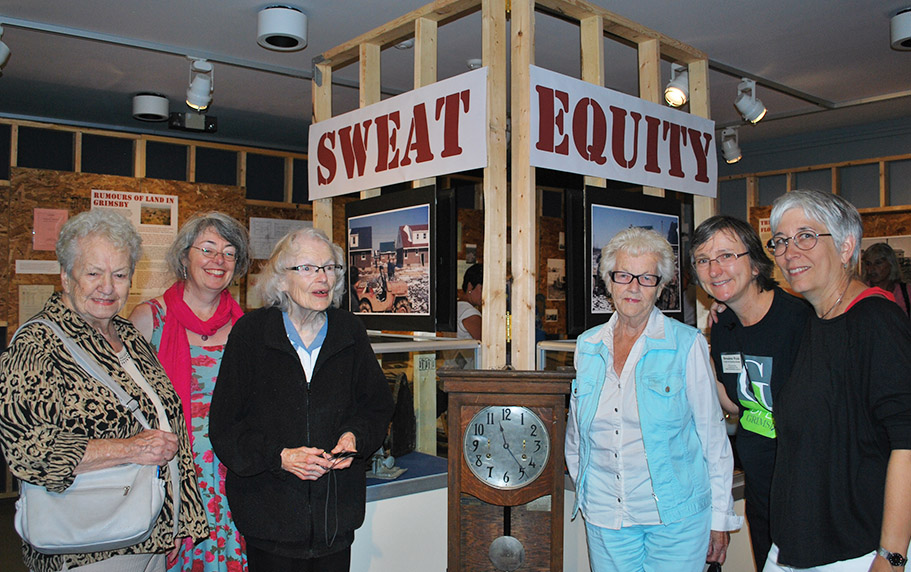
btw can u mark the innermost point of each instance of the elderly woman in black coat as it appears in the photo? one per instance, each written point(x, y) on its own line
point(300, 404)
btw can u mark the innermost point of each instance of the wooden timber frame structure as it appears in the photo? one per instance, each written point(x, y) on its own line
point(596, 24)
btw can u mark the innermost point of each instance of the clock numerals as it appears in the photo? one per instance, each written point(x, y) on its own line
point(506, 447)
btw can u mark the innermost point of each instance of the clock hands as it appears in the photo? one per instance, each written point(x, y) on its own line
point(506, 446)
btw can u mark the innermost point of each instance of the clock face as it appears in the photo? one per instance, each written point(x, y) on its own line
point(506, 447)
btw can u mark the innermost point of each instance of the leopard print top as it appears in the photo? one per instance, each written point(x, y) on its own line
point(50, 409)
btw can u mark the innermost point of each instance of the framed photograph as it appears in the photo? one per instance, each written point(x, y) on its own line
point(397, 279)
point(594, 216)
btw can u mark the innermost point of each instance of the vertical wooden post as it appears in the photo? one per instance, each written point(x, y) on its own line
point(425, 384)
point(288, 193)
point(77, 151)
point(191, 164)
point(139, 157)
point(703, 207)
point(322, 109)
point(493, 318)
point(524, 223)
point(884, 199)
point(592, 40)
point(241, 175)
point(650, 85)
point(369, 65)
point(425, 64)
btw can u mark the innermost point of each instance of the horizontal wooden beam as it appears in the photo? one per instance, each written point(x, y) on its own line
point(622, 28)
point(400, 29)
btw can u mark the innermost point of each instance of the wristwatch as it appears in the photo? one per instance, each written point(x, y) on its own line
point(894, 558)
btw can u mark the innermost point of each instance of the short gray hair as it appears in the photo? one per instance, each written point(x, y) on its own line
point(840, 217)
point(637, 241)
point(270, 279)
point(102, 223)
point(225, 225)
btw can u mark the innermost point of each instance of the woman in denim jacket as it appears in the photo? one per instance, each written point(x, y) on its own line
point(646, 443)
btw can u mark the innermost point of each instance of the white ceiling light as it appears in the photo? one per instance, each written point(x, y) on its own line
point(4, 50)
point(730, 145)
point(678, 89)
point(746, 103)
point(901, 30)
point(150, 107)
point(199, 94)
point(282, 28)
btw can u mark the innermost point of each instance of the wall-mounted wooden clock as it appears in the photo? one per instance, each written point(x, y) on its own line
point(506, 469)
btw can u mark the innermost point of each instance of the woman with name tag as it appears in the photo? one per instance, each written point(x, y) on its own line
point(57, 421)
point(754, 344)
point(300, 405)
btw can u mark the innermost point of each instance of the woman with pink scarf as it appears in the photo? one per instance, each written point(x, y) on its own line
point(188, 326)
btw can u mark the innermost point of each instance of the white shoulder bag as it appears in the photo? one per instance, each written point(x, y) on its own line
point(102, 510)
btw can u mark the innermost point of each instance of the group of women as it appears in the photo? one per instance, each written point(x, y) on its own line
point(819, 385)
point(273, 413)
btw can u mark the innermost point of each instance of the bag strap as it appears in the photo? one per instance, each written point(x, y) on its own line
point(91, 366)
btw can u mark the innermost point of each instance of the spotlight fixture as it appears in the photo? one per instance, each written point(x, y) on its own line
point(199, 94)
point(730, 145)
point(901, 30)
point(282, 28)
point(149, 106)
point(474, 63)
point(746, 103)
point(678, 89)
point(4, 51)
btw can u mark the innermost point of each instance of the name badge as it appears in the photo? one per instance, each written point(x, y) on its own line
point(731, 363)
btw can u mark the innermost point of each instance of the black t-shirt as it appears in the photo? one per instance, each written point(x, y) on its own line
point(846, 406)
point(767, 350)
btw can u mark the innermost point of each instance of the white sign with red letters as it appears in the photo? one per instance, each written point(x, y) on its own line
point(430, 131)
point(590, 130)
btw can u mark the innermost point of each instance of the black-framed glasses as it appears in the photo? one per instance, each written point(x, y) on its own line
point(211, 253)
point(724, 259)
point(647, 280)
point(804, 240)
point(313, 269)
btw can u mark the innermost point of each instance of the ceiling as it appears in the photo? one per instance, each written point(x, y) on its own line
point(81, 62)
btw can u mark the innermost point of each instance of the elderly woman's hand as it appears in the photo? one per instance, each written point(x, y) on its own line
point(153, 447)
point(150, 447)
point(718, 546)
point(306, 463)
point(346, 443)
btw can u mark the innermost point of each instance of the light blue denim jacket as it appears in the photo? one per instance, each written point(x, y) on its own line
point(676, 458)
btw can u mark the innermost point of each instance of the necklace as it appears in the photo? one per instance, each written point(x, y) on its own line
point(837, 302)
point(204, 337)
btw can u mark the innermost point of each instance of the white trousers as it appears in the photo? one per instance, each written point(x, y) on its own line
point(859, 564)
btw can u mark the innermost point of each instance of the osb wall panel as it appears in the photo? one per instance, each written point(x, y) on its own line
point(4, 247)
point(304, 212)
point(549, 230)
point(472, 223)
point(876, 222)
point(34, 188)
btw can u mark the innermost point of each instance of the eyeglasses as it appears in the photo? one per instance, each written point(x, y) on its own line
point(312, 269)
point(725, 259)
point(804, 240)
point(211, 253)
point(647, 280)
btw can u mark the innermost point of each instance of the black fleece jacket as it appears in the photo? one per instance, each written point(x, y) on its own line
point(262, 404)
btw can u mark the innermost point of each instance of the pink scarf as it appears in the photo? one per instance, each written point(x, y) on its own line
point(174, 352)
